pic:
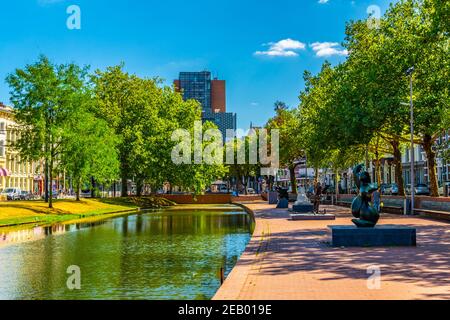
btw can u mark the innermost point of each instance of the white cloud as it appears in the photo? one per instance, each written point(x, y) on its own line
point(282, 48)
point(328, 49)
point(323, 1)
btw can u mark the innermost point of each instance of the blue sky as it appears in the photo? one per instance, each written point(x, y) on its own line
point(261, 47)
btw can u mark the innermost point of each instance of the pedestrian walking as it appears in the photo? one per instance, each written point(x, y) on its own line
point(376, 200)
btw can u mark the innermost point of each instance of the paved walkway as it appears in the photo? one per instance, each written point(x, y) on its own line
point(293, 260)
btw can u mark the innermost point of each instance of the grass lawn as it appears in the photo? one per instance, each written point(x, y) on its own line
point(22, 212)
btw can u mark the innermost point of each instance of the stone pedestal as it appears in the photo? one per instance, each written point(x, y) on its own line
point(283, 204)
point(303, 208)
point(303, 204)
point(380, 236)
point(273, 197)
point(311, 216)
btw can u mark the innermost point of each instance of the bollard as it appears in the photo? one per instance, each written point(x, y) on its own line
point(222, 275)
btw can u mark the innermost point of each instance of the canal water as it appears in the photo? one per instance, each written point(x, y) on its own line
point(159, 255)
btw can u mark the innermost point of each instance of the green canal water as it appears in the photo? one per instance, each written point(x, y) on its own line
point(159, 255)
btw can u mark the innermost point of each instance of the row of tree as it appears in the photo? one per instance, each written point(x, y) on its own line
point(359, 109)
point(98, 127)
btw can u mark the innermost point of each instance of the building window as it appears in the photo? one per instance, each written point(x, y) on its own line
point(2, 148)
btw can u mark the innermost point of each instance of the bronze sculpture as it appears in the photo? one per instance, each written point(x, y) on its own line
point(283, 193)
point(366, 214)
point(283, 198)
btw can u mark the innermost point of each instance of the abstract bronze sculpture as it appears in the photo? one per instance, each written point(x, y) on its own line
point(366, 214)
point(283, 198)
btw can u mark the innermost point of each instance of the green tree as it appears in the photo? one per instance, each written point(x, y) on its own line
point(45, 96)
point(319, 124)
point(89, 149)
point(245, 163)
point(288, 123)
point(410, 34)
point(130, 106)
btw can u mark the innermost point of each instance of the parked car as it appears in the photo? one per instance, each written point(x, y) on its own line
point(25, 195)
point(384, 187)
point(55, 195)
point(223, 189)
point(12, 193)
point(85, 194)
point(392, 190)
point(443, 188)
point(420, 189)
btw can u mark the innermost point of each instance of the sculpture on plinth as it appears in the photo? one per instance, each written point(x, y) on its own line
point(283, 198)
point(303, 204)
point(366, 214)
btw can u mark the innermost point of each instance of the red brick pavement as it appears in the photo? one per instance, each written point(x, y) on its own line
point(293, 260)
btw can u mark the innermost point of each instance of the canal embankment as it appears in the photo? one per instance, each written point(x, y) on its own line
point(16, 213)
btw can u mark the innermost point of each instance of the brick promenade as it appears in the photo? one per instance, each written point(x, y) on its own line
point(293, 260)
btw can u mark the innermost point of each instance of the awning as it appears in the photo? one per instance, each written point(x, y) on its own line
point(4, 172)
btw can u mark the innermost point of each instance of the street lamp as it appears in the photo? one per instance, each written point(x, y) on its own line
point(410, 73)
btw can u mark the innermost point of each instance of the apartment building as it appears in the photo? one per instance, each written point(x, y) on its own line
point(15, 173)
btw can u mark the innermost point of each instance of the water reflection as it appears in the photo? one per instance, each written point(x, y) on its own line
point(173, 255)
point(40, 232)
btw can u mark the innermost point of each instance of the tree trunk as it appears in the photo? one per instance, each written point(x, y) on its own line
point(246, 185)
point(93, 185)
point(124, 180)
point(337, 183)
point(124, 174)
point(293, 179)
point(139, 185)
point(78, 188)
point(316, 177)
point(377, 168)
point(50, 173)
point(398, 167)
point(367, 157)
point(46, 181)
point(431, 157)
point(247, 182)
point(238, 184)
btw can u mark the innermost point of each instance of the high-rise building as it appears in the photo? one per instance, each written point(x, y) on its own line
point(223, 120)
point(196, 85)
point(218, 96)
point(211, 93)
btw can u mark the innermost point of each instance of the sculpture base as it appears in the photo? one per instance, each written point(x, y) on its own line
point(273, 197)
point(380, 236)
point(311, 216)
point(303, 208)
point(283, 204)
